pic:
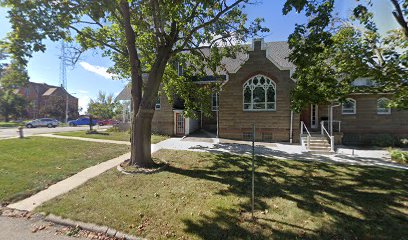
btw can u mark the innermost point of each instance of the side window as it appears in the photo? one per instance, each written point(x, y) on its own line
point(349, 106)
point(382, 106)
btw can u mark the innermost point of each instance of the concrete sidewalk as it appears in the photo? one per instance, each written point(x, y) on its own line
point(343, 155)
point(85, 139)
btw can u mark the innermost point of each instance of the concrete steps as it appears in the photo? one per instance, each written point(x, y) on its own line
point(317, 144)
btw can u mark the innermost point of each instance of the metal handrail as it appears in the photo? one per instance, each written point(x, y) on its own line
point(301, 130)
point(323, 129)
point(334, 121)
point(302, 124)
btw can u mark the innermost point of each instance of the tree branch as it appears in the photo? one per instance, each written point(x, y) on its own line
point(97, 40)
point(400, 17)
point(213, 20)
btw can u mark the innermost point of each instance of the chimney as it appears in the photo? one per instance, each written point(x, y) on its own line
point(258, 44)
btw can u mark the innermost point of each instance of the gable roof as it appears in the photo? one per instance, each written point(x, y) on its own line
point(278, 53)
point(124, 94)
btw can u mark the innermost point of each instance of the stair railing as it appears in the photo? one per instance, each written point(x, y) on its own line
point(331, 138)
point(303, 126)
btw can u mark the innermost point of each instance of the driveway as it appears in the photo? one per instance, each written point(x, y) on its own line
point(12, 132)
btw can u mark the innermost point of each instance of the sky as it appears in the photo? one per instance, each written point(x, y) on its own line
point(89, 76)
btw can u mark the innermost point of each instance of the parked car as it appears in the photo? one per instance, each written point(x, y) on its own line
point(81, 121)
point(43, 122)
point(107, 122)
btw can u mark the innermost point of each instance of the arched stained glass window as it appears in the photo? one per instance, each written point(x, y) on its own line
point(259, 94)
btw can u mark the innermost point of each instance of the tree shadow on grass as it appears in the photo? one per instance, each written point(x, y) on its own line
point(351, 202)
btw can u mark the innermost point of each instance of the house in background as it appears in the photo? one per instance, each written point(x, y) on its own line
point(48, 101)
point(256, 90)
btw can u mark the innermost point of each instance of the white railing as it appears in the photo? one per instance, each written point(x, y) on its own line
point(303, 126)
point(336, 125)
point(331, 138)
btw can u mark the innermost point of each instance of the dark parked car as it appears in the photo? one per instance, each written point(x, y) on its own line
point(107, 122)
point(43, 122)
point(81, 121)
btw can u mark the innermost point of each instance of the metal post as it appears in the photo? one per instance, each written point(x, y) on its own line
point(217, 124)
point(301, 127)
point(331, 120)
point(253, 170)
point(331, 143)
point(321, 127)
point(291, 127)
point(308, 142)
point(66, 109)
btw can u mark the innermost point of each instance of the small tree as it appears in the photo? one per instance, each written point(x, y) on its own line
point(12, 78)
point(104, 106)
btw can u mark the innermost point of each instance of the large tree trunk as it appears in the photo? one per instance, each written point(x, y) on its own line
point(141, 138)
point(6, 118)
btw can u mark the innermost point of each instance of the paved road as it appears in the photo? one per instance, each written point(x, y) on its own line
point(12, 132)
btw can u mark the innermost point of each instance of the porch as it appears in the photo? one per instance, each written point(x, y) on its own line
point(319, 131)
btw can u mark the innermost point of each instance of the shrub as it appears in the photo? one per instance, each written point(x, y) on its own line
point(399, 156)
point(383, 140)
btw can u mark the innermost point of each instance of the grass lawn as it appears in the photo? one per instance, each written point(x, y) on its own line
point(118, 136)
point(206, 196)
point(32, 164)
point(10, 124)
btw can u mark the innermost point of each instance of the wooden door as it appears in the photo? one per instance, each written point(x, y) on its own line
point(180, 124)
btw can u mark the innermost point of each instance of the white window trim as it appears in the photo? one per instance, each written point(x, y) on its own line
point(388, 112)
point(354, 108)
point(252, 100)
point(217, 102)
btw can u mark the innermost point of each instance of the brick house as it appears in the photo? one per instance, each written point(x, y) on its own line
point(256, 90)
point(48, 101)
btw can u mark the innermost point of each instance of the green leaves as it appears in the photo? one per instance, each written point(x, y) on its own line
point(329, 56)
point(104, 106)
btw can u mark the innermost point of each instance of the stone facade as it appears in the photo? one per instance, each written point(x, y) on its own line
point(366, 126)
point(270, 61)
point(271, 126)
point(163, 118)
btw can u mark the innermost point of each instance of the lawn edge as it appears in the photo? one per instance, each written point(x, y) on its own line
point(91, 227)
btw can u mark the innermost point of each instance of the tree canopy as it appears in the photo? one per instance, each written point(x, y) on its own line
point(139, 36)
point(13, 76)
point(330, 53)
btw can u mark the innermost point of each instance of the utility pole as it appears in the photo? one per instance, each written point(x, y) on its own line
point(63, 77)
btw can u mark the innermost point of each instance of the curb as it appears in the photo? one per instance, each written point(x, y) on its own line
point(110, 232)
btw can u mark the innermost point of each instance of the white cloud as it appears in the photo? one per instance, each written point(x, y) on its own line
point(101, 71)
point(82, 91)
point(83, 102)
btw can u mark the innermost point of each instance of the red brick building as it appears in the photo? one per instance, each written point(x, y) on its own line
point(48, 101)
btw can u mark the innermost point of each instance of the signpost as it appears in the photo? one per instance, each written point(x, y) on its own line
point(253, 171)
